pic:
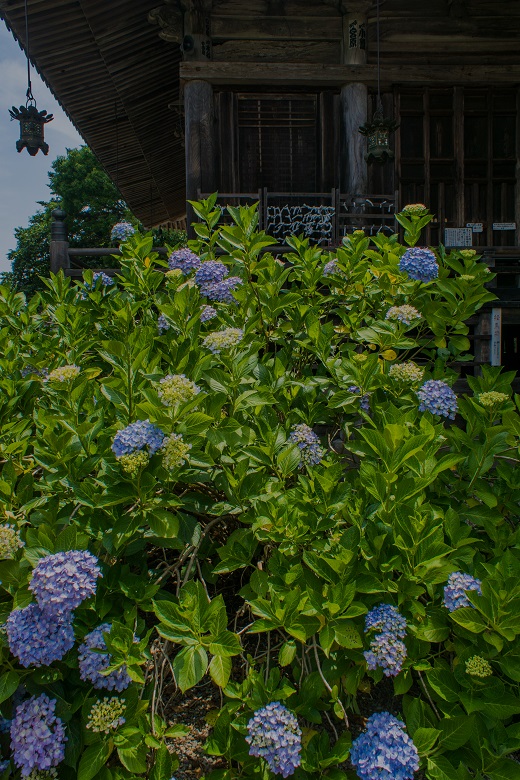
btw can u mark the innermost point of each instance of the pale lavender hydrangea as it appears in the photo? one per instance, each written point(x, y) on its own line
point(37, 735)
point(438, 398)
point(274, 735)
point(420, 264)
point(387, 651)
point(137, 436)
point(455, 591)
point(207, 313)
point(331, 267)
point(62, 581)
point(92, 663)
point(405, 314)
point(222, 291)
point(162, 324)
point(384, 751)
point(210, 272)
point(185, 260)
point(122, 231)
point(308, 443)
point(37, 637)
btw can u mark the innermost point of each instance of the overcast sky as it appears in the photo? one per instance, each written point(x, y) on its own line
point(23, 179)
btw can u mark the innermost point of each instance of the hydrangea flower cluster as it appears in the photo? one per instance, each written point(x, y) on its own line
point(133, 463)
point(106, 715)
point(415, 209)
point(207, 313)
point(492, 398)
point(467, 277)
point(175, 451)
point(141, 435)
point(274, 735)
point(92, 663)
point(223, 339)
point(387, 651)
point(331, 267)
point(37, 637)
point(10, 541)
point(43, 373)
point(162, 324)
point(405, 314)
point(37, 735)
point(62, 581)
point(407, 373)
point(214, 282)
point(384, 751)
point(308, 443)
point(438, 398)
point(455, 591)
point(63, 374)
point(420, 264)
point(106, 280)
point(122, 231)
point(185, 260)
point(478, 667)
point(364, 401)
point(176, 389)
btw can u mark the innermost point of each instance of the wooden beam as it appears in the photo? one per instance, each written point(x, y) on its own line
point(268, 28)
point(294, 74)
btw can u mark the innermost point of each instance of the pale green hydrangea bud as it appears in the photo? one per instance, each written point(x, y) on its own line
point(407, 373)
point(223, 339)
point(175, 451)
point(42, 774)
point(106, 715)
point(467, 277)
point(133, 462)
point(468, 252)
point(478, 667)
point(10, 541)
point(491, 399)
point(415, 209)
point(63, 374)
point(176, 389)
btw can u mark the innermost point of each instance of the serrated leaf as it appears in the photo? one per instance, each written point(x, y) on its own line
point(93, 759)
point(220, 670)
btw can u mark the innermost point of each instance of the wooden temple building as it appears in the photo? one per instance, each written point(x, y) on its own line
point(262, 101)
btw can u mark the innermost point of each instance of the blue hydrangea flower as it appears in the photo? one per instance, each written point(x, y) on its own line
point(274, 735)
point(207, 313)
point(106, 281)
point(384, 751)
point(37, 735)
point(386, 618)
point(308, 443)
point(455, 591)
point(210, 272)
point(331, 267)
point(438, 398)
point(221, 291)
point(37, 638)
point(185, 260)
point(364, 401)
point(92, 663)
point(62, 581)
point(122, 231)
point(137, 436)
point(162, 324)
point(420, 264)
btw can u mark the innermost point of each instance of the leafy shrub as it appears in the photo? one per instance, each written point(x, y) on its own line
point(274, 495)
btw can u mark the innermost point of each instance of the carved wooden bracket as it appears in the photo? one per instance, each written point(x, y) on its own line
point(186, 22)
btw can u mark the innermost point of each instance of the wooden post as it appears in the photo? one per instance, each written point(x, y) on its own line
point(59, 248)
point(200, 142)
point(354, 101)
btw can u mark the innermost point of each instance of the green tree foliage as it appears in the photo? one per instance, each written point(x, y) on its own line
point(232, 556)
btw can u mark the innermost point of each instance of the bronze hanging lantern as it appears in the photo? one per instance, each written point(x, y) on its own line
point(32, 121)
point(378, 129)
point(378, 132)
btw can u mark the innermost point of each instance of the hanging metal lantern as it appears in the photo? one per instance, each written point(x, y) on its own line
point(32, 123)
point(378, 132)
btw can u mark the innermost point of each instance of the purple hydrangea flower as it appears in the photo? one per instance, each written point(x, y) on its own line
point(106, 281)
point(364, 401)
point(37, 638)
point(221, 291)
point(331, 268)
point(92, 663)
point(308, 443)
point(438, 398)
point(384, 751)
point(207, 313)
point(37, 735)
point(420, 264)
point(122, 231)
point(138, 436)
point(62, 581)
point(185, 260)
point(210, 272)
point(274, 735)
point(386, 618)
point(386, 649)
point(455, 591)
point(162, 324)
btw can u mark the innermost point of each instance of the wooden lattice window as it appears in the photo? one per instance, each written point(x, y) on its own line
point(277, 142)
point(457, 154)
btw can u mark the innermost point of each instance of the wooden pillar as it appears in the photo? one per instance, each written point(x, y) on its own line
point(200, 142)
point(59, 245)
point(354, 101)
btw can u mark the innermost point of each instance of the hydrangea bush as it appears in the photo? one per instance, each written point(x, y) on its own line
point(289, 494)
